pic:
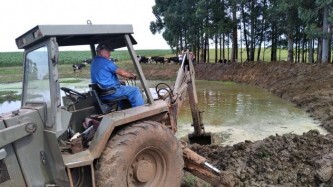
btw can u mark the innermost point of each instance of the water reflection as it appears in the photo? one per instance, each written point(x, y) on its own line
point(238, 112)
point(233, 112)
point(9, 106)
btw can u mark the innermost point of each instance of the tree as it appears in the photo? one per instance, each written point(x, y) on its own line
point(326, 35)
point(297, 25)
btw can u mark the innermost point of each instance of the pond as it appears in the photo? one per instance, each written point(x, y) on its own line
point(237, 112)
point(232, 112)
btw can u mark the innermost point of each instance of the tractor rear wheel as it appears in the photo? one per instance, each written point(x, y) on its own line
point(142, 154)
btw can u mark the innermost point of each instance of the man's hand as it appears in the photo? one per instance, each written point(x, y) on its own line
point(125, 74)
point(133, 76)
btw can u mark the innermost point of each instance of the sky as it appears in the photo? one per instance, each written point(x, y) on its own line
point(19, 16)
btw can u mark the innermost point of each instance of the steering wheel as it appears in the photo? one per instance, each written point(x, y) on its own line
point(69, 91)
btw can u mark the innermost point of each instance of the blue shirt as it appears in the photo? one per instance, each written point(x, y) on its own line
point(103, 72)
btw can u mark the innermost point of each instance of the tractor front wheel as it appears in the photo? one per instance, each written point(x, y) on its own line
point(142, 154)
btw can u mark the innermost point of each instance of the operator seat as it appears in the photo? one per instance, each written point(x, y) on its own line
point(107, 106)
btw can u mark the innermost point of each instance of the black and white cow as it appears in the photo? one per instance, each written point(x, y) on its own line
point(87, 61)
point(143, 59)
point(114, 59)
point(78, 67)
point(157, 59)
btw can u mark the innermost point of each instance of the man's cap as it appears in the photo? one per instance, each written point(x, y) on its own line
point(103, 46)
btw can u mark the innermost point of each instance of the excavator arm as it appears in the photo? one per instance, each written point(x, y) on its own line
point(194, 163)
point(198, 166)
point(185, 82)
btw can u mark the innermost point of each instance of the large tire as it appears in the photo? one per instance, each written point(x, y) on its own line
point(142, 154)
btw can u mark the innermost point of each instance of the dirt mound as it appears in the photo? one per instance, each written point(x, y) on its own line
point(281, 160)
point(288, 160)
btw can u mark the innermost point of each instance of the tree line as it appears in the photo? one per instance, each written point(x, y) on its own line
point(303, 27)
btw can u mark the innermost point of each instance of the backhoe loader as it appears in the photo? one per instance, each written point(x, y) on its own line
point(81, 140)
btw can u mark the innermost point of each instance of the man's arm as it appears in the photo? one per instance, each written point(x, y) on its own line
point(125, 74)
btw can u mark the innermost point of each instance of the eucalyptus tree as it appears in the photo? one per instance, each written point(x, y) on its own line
point(195, 28)
point(263, 26)
point(181, 23)
point(253, 15)
point(204, 14)
point(169, 20)
point(289, 8)
point(274, 19)
point(227, 24)
point(325, 6)
point(234, 4)
point(310, 16)
point(317, 16)
point(217, 16)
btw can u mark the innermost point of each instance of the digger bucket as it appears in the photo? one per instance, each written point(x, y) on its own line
point(202, 139)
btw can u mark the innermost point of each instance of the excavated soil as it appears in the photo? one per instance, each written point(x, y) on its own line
point(281, 160)
point(287, 160)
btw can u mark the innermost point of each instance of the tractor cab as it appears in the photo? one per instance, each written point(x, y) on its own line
point(41, 81)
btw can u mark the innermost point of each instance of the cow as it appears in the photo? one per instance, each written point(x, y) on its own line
point(157, 59)
point(224, 61)
point(87, 61)
point(114, 59)
point(174, 59)
point(143, 59)
point(78, 66)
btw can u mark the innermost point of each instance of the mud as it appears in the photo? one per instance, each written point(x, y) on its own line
point(281, 160)
point(288, 160)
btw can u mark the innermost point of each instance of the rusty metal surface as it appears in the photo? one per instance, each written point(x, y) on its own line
point(195, 164)
point(173, 117)
point(193, 156)
point(112, 120)
point(83, 158)
point(202, 173)
point(10, 171)
point(69, 35)
point(107, 125)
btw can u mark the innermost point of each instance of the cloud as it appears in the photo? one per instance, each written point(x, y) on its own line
point(18, 16)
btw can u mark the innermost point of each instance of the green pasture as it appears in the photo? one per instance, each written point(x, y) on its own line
point(11, 69)
point(10, 59)
point(15, 73)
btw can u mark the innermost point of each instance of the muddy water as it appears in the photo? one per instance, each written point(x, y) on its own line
point(10, 105)
point(237, 112)
point(232, 112)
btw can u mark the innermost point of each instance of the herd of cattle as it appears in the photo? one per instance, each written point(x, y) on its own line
point(141, 59)
point(158, 59)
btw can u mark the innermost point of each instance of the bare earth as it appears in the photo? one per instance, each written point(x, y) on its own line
point(281, 160)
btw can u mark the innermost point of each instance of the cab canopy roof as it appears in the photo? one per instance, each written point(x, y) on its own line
point(70, 35)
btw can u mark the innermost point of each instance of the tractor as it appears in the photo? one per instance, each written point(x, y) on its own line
point(77, 139)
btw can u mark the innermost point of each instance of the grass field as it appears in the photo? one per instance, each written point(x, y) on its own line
point(14, 74)
point(11, 69)
point(10, 59)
